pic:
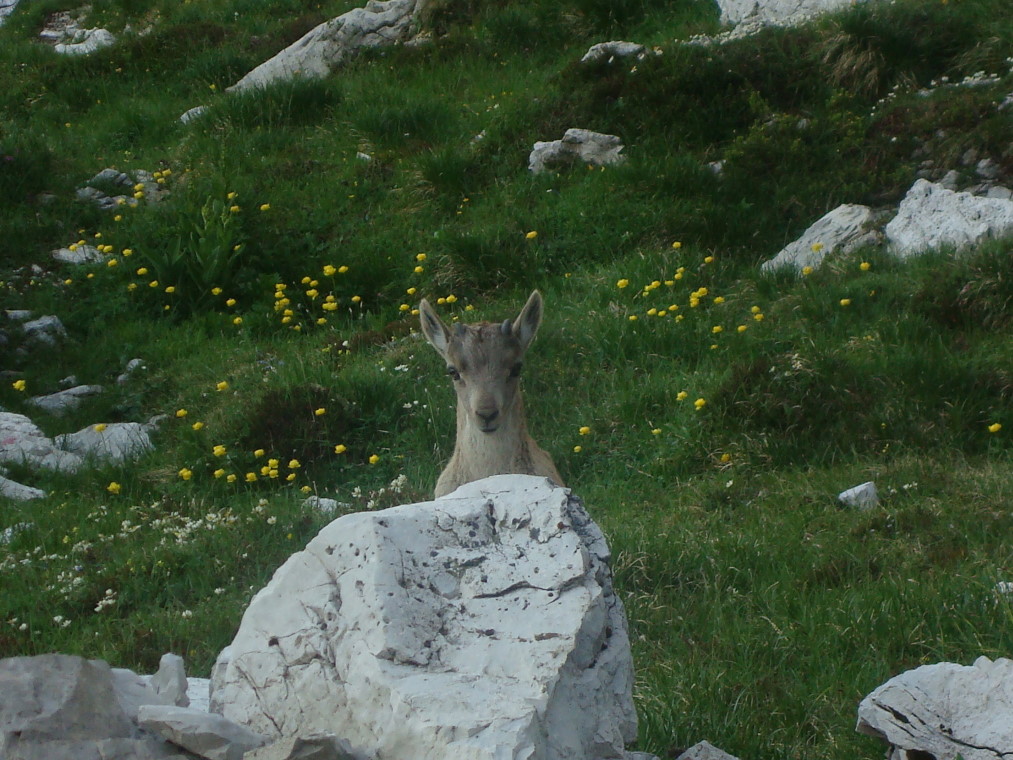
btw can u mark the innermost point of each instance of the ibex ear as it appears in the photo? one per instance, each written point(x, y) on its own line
point(526, 325)
point(433, 328)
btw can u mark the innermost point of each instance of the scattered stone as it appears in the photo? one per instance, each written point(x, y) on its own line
point(94, 190)
point(860, 497)
point(1004, 588)
point(951, 180)
point(116, 442)
point(6, 9)
point(577, 146)
point(932, 217)
point(80, 254)
point(312, 747)
point(132, 366)
point(45, 331)
point(705, 751)
point(998, 192)
point(86, 41)
point(22, 442)
point(18, 315)
point(777, 12)
point(60, 707)
point(323, 505)
point(61, 402)
point(614, 49)
point(205, 734)
point(193, 114)
point(67, 382)
point(7, 534)
point(320, 51)
point(944, 711)
point(480, 625)
point(987, 169)
point(10, 489)
point(843, 230)
point(170, 681)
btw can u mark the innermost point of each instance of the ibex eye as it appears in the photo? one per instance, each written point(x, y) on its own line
point(515, 370)
point(452, 371)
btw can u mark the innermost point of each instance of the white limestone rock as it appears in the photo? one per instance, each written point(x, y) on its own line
point(47, 331)
point(705, 751)
point(59, 707)
point(577, 146)
point(777, 12)
point(842, 230)
point(944, 711)
point(6, 9)
point(193, 114)
point(86, 41)
point(312, 747)
point(324, 505)
point(932, 217)
point(116, 442)
point(863, 496)
point(169, 682)
point(205, 734)
point(321, 50)
point(481, 625)
point(615, 49)
point(10, 489)
point(22, 442)
point(68, 400)
point(81, 254)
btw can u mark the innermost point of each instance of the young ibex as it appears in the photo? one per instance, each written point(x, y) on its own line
point(484, 360)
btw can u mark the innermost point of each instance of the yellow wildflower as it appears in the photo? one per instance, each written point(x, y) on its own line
point(113, 487)
point(340, 448)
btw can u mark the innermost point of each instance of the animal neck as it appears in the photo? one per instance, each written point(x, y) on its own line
point(485, 454)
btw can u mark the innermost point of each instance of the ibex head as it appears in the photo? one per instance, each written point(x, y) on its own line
point(484, 360)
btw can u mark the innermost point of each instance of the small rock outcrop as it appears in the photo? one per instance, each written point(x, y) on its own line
point(705, 751)
point(115, 442)
point(578, 146)
point(606, 51)
point(944, 711)
point(777, 12)
point(65, 401)
point(22, 442)
point(843, 230)
point(321, 50)
point(932, 217)
point(61, 707)
point(480, 625)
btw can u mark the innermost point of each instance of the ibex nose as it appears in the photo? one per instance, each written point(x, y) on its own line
point(487, 416)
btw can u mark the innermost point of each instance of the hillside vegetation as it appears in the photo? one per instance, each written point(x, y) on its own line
point(707, 415)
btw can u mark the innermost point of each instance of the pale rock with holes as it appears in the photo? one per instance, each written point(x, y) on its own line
point(578, 146)
point(477, 626)
point(321, 50)
point(944, 711)
point(841, 231)
point(932, 217)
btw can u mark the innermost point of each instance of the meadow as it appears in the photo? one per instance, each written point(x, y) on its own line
point(708, 415)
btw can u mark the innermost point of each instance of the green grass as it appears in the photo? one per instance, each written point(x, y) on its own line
point(761, 610)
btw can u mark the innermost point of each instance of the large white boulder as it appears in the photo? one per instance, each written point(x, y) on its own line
point(481, 625)
point(777, 12)
point(321, 50)
point(22, 442)
point(944, 711)
point(842, 230)
point(931, 217)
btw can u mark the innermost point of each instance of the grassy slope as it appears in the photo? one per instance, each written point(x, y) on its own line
point(761, 611)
